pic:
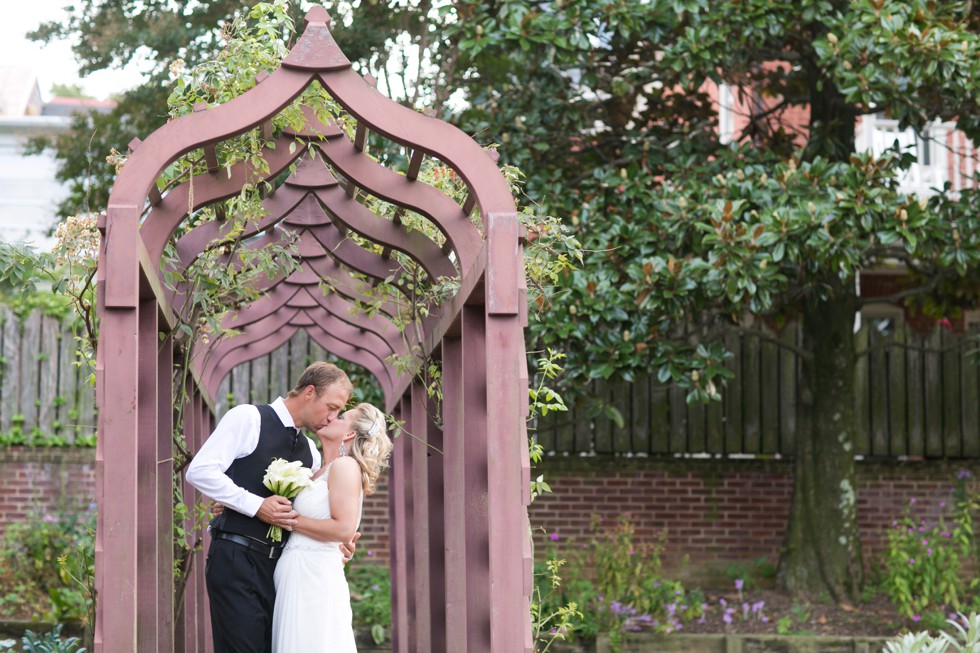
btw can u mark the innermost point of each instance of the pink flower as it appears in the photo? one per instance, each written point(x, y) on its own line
point(911, 561)
point(553, 537)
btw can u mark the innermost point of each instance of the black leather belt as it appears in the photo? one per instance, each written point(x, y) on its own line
point(272, 552)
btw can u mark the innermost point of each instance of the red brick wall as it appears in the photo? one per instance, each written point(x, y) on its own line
point(34, 481)
point(715, 512)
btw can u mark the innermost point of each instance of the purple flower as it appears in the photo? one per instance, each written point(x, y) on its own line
point(49, 519)
point(911, 561)
point(370, 553)
point(942, 504)
point(964, 473)
point(553, 537)
point(739, 583)
point(929, 551)
point(916, 617)
point(727, 617)
point(912, 500)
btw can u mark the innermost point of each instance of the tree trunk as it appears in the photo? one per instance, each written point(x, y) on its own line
point(822, 550)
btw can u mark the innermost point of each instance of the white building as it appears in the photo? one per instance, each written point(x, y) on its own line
point(29, 193)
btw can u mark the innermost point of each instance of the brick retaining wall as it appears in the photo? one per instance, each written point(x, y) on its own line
point(715, 512)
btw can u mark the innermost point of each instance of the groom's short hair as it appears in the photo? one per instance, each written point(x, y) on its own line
point(321, 375)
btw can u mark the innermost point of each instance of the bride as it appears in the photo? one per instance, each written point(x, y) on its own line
point(313, 613)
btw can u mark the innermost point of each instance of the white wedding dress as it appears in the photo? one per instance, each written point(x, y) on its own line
point(313, 613)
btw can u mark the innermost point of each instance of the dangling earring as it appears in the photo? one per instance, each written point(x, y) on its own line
point(343, 449)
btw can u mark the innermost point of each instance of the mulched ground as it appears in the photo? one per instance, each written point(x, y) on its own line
point(786, 615)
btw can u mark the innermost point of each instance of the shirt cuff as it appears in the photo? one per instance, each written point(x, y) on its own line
point(251, 504)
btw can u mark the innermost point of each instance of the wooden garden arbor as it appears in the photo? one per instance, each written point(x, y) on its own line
point(461, 568)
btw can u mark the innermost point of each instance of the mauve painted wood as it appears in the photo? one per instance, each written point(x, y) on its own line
point(443, 321)
point(437, 529)
point(180, 136)
point(492, 553)
point(165, 484)
point(151, 581)
point(416, 130)
point(476, 422)
point(404, 628)
point(266, 335)
point(454, 505)
point(503, 261)
point(116, 563)
point(423, 199)
point(121, 235)
point(163, 219)
point(397, 537)
point(203, 426)
point(510, 618)
point(347, 352)
point(422, 600)
point(99, 546)
point(360, 220)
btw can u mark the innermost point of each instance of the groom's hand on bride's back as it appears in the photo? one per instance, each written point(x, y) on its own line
point(278, 511)
point(348, 549)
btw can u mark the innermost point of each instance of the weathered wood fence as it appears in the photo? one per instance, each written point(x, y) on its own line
point(43, 391)
point(918, 398)
point(920, 395)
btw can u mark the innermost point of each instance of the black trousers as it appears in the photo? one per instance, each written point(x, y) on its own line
point(242, 594)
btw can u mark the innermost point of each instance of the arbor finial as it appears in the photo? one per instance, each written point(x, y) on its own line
point(318, 15)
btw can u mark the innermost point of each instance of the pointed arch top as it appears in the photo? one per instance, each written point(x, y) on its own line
point(316, 200)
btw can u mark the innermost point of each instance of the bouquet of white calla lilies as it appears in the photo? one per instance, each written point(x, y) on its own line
point(285, 479)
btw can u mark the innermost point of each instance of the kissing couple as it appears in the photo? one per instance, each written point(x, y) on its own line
point(288, 596)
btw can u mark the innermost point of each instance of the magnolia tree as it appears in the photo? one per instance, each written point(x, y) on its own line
point(686, 234)
point(689, 237)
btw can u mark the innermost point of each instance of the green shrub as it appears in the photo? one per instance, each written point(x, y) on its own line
point(619, 586)
point(48, 567)
point(370, 591)
point(922, 562)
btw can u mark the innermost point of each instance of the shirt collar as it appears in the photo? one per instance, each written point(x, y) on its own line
point(279, 405)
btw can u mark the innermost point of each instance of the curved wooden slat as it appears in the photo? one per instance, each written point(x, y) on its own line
point(163, 219)
point(419, 197)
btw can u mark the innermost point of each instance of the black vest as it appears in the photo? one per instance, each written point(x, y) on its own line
point(275, 441)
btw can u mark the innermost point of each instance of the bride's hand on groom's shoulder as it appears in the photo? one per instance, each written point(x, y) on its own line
point(348, 549)
point(278, 511)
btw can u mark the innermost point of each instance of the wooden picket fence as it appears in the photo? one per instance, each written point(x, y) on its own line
point(919, 395)
point(44, 390)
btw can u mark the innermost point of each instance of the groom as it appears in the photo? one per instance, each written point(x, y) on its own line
point(229, 468)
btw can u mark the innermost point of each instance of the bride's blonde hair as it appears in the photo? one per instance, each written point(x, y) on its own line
point(370, 446)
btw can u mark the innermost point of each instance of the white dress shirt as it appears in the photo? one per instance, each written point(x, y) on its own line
point(236, 436)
